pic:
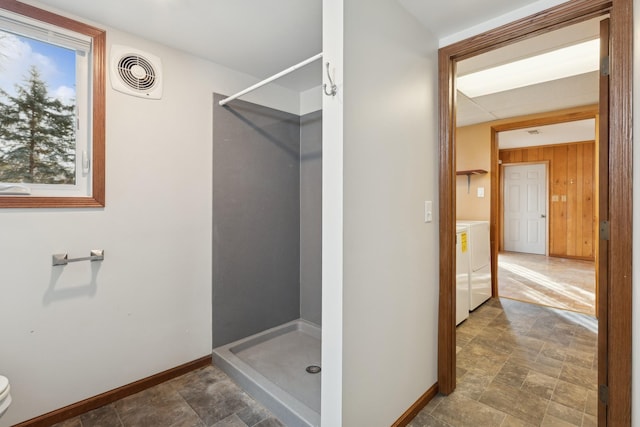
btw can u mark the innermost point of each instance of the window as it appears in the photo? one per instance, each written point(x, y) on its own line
point(52, 108)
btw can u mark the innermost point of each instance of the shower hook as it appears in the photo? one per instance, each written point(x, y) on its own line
point(334, 88)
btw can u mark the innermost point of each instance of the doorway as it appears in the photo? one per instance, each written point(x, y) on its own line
point(524, 205)
point(614, 367)
point(563, 276)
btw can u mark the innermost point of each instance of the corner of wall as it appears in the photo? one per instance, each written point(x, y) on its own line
point(311, 100)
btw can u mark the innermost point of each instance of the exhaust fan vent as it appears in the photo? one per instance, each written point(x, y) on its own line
point(136, 73)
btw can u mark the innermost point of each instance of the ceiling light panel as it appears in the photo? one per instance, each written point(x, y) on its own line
point(566, 62)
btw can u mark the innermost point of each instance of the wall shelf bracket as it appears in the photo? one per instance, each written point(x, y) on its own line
point(468, 173)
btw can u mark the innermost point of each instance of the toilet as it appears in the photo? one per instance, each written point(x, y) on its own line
point(5, 397)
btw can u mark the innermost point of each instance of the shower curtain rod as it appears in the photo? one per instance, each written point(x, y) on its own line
point(272, 78)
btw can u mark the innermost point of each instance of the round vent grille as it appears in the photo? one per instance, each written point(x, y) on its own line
point(137, 72)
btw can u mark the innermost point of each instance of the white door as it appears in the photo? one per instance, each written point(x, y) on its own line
point(525, 208)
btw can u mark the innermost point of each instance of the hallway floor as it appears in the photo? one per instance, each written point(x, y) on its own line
point(563, 283)
point(203, 398)
point(520, 364)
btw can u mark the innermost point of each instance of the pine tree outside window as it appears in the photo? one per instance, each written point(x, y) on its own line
point(51, 109)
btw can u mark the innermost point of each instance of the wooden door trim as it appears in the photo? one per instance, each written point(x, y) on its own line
point(619, 306)
point(589, 112)
point(602, 246)
point(620, 190)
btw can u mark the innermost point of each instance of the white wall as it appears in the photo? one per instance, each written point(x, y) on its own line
point(390, 280)
point(69, 333)
point(332, 216)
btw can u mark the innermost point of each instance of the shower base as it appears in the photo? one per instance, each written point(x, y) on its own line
point(271, 367)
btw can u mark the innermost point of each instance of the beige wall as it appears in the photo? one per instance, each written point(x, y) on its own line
point(473, 151)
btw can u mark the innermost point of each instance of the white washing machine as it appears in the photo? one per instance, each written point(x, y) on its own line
point(479, 262)
point(462, 274)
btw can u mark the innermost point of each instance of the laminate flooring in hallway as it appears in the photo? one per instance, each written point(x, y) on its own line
point(520, 364)
point(564, 283)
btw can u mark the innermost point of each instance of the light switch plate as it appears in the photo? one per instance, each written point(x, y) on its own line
point(428, 211)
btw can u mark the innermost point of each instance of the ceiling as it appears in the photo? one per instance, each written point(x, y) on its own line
point(559, 133)
point(447, 18)
point(261, 38)
point(554, 95)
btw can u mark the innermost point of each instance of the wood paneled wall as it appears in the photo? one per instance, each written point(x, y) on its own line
point(572, 215)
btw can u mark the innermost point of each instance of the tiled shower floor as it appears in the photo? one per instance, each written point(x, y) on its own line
point(202, 398)
point(520, 364)
point(283, 360)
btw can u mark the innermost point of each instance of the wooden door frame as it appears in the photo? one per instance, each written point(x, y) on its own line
point(618, 321)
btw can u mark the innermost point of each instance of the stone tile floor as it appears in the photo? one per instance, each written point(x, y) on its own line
point(202, 398)
point(564, 283)
point(520, 364)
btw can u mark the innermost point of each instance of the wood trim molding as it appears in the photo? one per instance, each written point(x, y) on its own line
point(619, 289)
point(447, 199)
point(500, 150)
point(419, 404)
point(495, 225)
point(589, 112)
point(602, 251)
point(111, 396)
point(570, 12)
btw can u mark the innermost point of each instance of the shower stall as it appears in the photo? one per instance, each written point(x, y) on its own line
point(267, 226)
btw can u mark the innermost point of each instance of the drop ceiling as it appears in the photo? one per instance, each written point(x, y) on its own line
point(560, 133)
point(568, 92)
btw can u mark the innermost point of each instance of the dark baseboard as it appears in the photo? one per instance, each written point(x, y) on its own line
point(111, 396)
point(416, 407)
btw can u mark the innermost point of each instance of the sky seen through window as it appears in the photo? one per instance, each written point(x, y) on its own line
point(56, 65)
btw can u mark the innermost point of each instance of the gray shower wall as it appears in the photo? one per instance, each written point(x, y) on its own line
point(311, 217)
point(258, 234)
